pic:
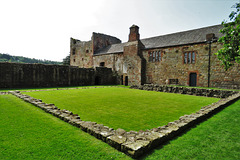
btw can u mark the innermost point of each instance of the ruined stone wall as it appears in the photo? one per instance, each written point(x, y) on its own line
point(18, 75)
point(81, 53)
point(101, 40)
point(114, 61)
point(172, 66)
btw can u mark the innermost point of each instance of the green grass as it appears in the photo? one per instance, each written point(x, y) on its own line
point(216, 138)
point(27, 132)
point(45, 88)
point(129, 109)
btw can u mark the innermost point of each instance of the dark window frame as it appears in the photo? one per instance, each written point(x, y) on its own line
point(189, 57)
point(155, 56)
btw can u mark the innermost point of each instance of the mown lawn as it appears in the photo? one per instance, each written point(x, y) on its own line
point(129, 109)
point(27, 132)
point(217, 138)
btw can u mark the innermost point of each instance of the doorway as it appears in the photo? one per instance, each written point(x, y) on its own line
point(126, 80)
point(97, 80)
point(193, 79)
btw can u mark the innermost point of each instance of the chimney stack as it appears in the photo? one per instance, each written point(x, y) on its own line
point(134, 35)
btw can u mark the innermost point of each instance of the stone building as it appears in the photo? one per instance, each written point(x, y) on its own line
point(184, 58)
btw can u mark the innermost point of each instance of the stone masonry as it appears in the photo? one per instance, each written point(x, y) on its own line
point(19, 75)
point(163, 60)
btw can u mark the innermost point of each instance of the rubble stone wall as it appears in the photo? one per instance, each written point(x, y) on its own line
point(172, 66)
point(19, 75)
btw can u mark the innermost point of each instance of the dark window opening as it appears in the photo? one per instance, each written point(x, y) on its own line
point(102, 64)
point(73, 51)
point(87, 51)
point(73, 60)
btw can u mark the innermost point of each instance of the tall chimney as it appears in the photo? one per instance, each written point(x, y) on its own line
point(134, 35)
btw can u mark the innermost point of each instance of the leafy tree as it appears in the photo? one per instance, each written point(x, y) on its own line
point(230, 53)
point(66, 60)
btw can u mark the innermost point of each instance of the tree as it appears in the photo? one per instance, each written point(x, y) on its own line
point(66, 60)
point(230, 53)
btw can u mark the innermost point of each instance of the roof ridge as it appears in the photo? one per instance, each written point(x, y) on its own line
point(181, 32)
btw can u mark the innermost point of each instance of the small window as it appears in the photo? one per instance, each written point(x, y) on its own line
point(102, 64)
point(73, 51)
point(73, 60)
point(159, 56)
point(87, 51)
point(156, 56)
point(193, 57)
point(150, 57)
point(153, 56)
point(189, 57)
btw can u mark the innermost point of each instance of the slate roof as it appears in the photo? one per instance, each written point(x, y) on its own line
point(175, 39)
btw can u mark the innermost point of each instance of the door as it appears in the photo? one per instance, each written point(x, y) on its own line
point(193, 79)
point(126, 80)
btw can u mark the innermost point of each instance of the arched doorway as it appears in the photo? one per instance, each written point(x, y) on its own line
point(193, 79)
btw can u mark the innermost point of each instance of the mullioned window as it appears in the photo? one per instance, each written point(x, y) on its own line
point(155, 56)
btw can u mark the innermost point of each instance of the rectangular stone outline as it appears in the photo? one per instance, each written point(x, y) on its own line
point(132, 143)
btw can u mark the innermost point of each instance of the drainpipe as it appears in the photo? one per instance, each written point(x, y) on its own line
point(209, 62)
point(209, 39)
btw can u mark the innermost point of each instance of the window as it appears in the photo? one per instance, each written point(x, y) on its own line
point(150, 57)
point(189, 57)
point(73, 51)
point(87, 51)
point(155, 56)
point(102, 64)
point(159, 56)
point(193, 57)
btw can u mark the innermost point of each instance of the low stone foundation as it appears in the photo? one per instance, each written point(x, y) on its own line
point(186, 90)
point(132, 143)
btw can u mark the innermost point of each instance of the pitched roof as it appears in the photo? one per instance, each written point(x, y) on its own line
point(174, 39)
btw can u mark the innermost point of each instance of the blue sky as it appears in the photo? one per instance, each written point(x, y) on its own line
point(42, 28)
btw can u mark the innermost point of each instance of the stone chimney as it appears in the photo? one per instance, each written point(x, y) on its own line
point(134, 35)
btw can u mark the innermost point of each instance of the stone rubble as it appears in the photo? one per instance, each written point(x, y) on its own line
point(185, 90)
point(138, 143)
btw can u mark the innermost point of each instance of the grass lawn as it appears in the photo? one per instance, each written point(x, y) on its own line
point(27, 132)
point(129, 109)
point(216, 138)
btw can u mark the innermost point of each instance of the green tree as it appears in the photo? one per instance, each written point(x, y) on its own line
point(230, 53)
